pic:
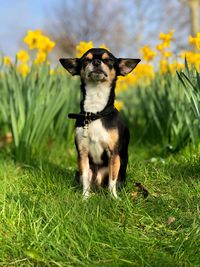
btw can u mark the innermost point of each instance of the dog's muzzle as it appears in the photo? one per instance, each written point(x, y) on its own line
point(97, 75)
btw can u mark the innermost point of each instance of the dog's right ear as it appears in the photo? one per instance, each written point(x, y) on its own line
point(71, 65)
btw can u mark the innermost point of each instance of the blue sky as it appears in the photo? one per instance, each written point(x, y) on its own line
point(17, 16)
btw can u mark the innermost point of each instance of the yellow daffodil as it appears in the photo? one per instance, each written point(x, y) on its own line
point(123, 82)
point(195, 40)
point(7, 60)
point(173, 67)
point(82, 47)
point(147, 53)
point(23, 69)
point(167, 54)
point(192, 40)
point(164, 67)
point(186, 54)
point(32, 38)
point(145, 72)
point(131, 79)
point(44, 44)
point(118, 105)
point(161, 47)
point(166, 37)
point(198, 40)
point(23, 56)
point(41, 57)
point(192, 58)
point(35, 39)
point(179, 66)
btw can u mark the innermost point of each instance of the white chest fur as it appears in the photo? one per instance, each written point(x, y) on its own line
point(97, 96)
point(96, 140)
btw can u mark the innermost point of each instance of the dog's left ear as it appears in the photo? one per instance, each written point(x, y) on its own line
point(71, 65)
point(126, 65)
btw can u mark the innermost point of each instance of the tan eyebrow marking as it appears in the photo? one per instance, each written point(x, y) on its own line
point(89, 56)
point(105, 56)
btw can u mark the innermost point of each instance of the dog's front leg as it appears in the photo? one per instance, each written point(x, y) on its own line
point(114, 166)
point(85, 173)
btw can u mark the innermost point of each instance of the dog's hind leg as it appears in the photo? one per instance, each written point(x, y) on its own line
point(122, 172)
point(123, 153)
point(101, 174)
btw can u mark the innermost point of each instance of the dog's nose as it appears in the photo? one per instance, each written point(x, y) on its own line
point(96, 62)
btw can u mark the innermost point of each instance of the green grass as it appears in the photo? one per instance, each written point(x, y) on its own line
point(45, 222)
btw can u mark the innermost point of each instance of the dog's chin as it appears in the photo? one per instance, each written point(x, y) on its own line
point(97, 76)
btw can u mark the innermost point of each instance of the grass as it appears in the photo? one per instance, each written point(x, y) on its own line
point(45, 222)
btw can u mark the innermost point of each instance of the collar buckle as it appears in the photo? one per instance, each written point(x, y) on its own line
point(88, 118)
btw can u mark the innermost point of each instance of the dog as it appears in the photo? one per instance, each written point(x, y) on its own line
point(101, 137)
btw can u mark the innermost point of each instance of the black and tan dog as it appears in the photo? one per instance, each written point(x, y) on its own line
point(101, 136)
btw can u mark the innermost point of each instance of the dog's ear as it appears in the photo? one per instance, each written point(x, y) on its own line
point(71, 65)
point(126, 65)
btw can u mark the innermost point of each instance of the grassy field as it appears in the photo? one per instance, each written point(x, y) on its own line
point(43, 219)
point(45, 222)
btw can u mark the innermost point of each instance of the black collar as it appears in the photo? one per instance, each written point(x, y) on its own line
point(87, 117)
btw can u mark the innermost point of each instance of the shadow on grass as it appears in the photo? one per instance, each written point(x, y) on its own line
point(186, 171)
point(50, 171)
point(64, 172)
point(184, 165)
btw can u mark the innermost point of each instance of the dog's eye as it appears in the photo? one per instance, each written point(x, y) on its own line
point(87, 60)
point(108, 61)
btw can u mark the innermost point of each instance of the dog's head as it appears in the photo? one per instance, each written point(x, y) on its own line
point(99, 65)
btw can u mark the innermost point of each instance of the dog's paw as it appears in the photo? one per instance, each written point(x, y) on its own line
point(85, 196)
point(115, 196)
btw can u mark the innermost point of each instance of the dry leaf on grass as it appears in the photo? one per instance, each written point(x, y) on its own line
point(170, 220)
point(135, 195)
point(142, 189)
